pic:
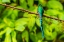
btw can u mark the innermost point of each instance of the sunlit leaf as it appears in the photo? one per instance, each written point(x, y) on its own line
point(8, 36)
point(31, 23)
point(2, 32)
point(52, 12)
point(2, 25)
point(8, 22)
point(6, 1)
point(55, 5)
point(30, 3)
point(61, 16)
point(38, 21)
point(20, 28)
point(21, 21)
point(0, 1)
point(13, 36)
point(20, 24)
point(43, 2)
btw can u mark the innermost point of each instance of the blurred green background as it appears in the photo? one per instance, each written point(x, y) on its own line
point(18, 26)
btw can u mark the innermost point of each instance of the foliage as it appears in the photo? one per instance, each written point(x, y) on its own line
point(18, 26)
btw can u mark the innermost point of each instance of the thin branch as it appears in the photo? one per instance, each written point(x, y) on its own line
point(31, 12)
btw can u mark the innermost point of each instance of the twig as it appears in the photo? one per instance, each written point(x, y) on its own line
point(31, 12)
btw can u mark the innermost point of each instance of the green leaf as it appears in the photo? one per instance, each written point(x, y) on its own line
point(6, 1)
point(20, 28)
point(39, 35)
point(38, 22)
point(25, 36)
point(14, 14)
point(33, 37)
point(7, 12)
point(8, 36)
point(61, 16)
point(23, 4)
point(52, 12)
point(2, 25)
point(21, 21)
point(62, 36)
point(13, 36)
point(8, 22)
point(1, 8)
point(31, 23)
point(43, 2)
point(28, 15)
point(2, 32)
point(51, 37)
point(50, 32)
point(20, 24)
point(0, 1)
point(54, 0)
point(54, 5)
point(30, 3)
point(14, 1)
point(58, 28)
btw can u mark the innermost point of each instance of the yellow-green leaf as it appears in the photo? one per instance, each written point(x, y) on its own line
point(6, 1)
point(13, 36)
point(8, 22)
point(31, 23)
point(20, 28)
point(25, 35)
